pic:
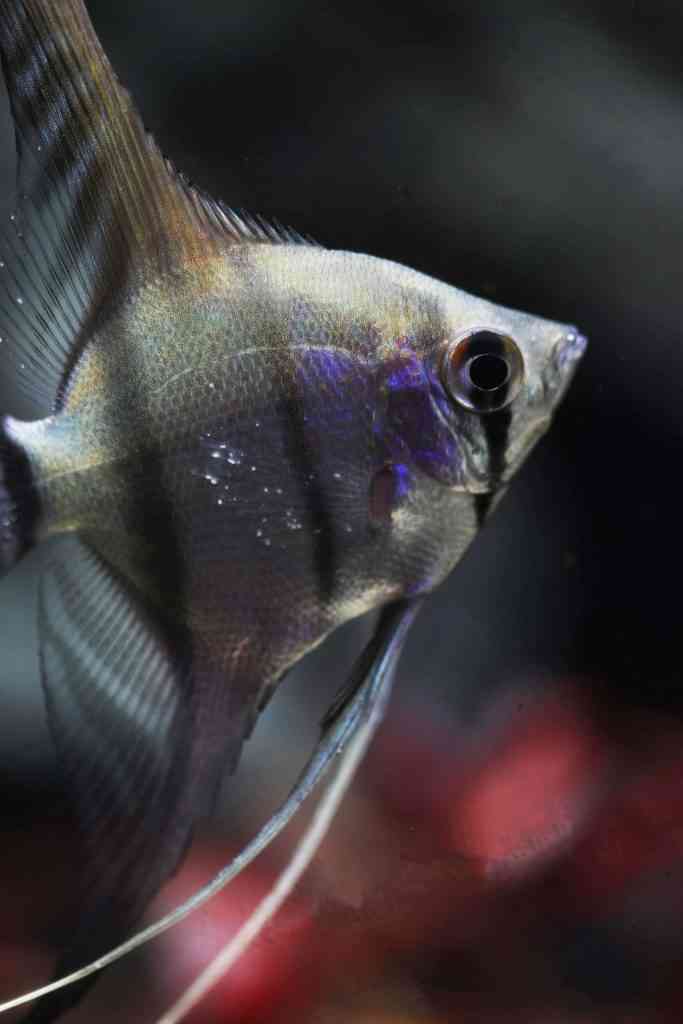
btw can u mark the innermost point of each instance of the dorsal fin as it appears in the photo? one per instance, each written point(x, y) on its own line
point(98, 206)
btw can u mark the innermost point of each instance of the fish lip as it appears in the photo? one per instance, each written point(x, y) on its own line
point(569, 350)
point(567, 353)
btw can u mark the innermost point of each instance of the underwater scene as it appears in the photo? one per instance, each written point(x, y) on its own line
point(398, 340)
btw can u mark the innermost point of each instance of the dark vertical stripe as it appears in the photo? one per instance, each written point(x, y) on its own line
point(314, 500)
point(496, 427)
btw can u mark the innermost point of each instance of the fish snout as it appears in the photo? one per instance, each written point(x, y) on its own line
point(565, 356)
point(568, 351)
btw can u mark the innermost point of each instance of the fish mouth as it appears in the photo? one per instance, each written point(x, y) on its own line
point(566, 356)
point(569, 350)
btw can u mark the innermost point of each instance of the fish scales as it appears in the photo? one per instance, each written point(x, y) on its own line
point(236, 440)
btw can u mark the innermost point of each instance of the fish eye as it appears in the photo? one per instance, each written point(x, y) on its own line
point(483, 370)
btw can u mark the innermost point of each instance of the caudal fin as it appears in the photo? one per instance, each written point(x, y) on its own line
point(18, 503)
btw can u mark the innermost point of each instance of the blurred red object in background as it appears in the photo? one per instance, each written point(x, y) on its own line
point(531, 786)
point(640, 831)
point(510, 874)
point(269, 977)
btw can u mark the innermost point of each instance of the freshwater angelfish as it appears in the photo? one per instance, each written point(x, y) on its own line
point(232, 441)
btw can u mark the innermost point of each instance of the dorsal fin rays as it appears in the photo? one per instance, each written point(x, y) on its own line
point(98, 206)
point(236, 225)
point(249, 227)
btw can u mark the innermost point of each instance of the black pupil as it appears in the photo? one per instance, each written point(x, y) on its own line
point(488, 372)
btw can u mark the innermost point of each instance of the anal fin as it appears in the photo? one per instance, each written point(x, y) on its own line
point(120, 710)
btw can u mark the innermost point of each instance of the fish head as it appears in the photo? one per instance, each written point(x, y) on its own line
point(498, 376)
point(489, 380)
point(466, 387)
point(468, 391)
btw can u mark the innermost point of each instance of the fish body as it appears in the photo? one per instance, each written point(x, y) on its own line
point(252, 405)
point(241, 440)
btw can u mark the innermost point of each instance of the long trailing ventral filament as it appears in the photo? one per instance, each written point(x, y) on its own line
point(346, 736)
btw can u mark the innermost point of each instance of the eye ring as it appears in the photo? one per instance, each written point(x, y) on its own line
point(483, 370)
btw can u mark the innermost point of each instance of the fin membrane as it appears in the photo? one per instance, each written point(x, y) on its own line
point(120, 712)
point(98, 207)
point(361, 703)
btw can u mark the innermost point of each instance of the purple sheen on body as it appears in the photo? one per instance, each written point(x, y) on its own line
point(415, 430)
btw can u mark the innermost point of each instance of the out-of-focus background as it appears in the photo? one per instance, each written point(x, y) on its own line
point(513, 848)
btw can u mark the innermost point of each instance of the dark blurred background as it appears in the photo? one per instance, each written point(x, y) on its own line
point(532, 153)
